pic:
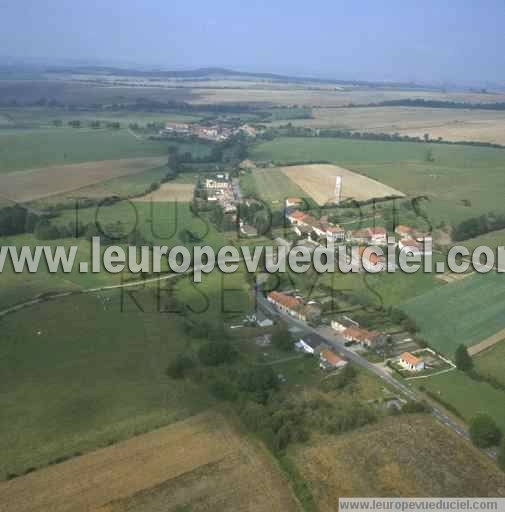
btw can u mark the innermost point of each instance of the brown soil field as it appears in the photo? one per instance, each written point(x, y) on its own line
point(168, 192)
point(401, 456)
point(318, 181)
point(48, 181)
point(450, 124)
point(202, 462)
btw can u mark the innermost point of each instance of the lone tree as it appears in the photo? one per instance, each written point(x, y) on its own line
point(501, 455)
point(462, 358)
point(484, 432)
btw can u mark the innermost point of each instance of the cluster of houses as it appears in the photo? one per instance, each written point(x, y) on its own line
point(353, 333)
point(345, 326)
point(413, 241)
point(315, 230)
point(313, 345)
point(295, 306)
point(219, 189)
point(216, 132)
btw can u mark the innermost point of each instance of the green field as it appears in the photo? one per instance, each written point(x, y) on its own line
point(25, 150)
point(37, 117)
point(494, 239)
point(271, 185)
point(468, 396)
point(161, 223)
point(463, 312)
point(78, 374)
point(447, 181)
point(492, 362)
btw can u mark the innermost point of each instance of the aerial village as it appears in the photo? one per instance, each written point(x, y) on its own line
point(407, 357)
point(216, 132)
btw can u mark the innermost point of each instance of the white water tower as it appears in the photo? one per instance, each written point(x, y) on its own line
point(338, 189)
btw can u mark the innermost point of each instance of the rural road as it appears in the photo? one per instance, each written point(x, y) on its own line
point(338, 343)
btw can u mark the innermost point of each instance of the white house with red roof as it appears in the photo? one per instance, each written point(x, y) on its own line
point(411, 363)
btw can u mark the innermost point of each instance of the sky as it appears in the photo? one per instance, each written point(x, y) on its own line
point(403, 40)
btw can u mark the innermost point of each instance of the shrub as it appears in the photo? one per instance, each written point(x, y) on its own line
point(181, 365)
point(462, 359)
point(484, 432)
point(214, 353)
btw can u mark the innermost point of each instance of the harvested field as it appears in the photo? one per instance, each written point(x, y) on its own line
point(318, 181)
point(201, 463)
point(406, 456)
point(170, 192)
point(48, 181)
point(450, 124)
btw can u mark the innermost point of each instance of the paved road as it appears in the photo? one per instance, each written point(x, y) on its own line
point(338, 344)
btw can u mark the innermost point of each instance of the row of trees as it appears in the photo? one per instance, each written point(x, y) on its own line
point(476, 226)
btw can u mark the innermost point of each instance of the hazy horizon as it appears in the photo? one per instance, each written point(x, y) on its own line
point(432, 42)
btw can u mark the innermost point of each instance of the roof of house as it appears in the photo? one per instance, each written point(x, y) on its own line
point(346, 321)
point(361, 233)
point(403, 229)
point(285, 300)
point(360, 334)
point(331, 357)
point(335, 229)
point(410, 243)
point(377, 231)
point(410, 359)
point(294, 200)
point(298, 215)
point(312, 340)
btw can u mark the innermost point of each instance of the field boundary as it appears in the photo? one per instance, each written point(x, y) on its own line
point(487, 343)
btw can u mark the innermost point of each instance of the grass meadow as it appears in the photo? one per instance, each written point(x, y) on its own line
point(449, 181)
point(33, 149)
point(491, 362)
point(469, 397)
point(464, 312)
point(78, 374)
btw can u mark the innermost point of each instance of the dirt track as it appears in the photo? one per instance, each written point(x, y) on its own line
point(47, 181)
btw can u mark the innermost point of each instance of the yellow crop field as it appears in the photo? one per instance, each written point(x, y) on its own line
point(202, 463)
point(318, 181)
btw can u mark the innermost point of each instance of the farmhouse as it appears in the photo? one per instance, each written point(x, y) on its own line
point(404, 231)
point(378, 236)
point(365, 338)
point(361, 236)
point(328, 360)
point(309, 344)
point(342, 323)
point(321, 228)
point(411, 362)
point(293, 201)
point(287, 304)
point(334, 234)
